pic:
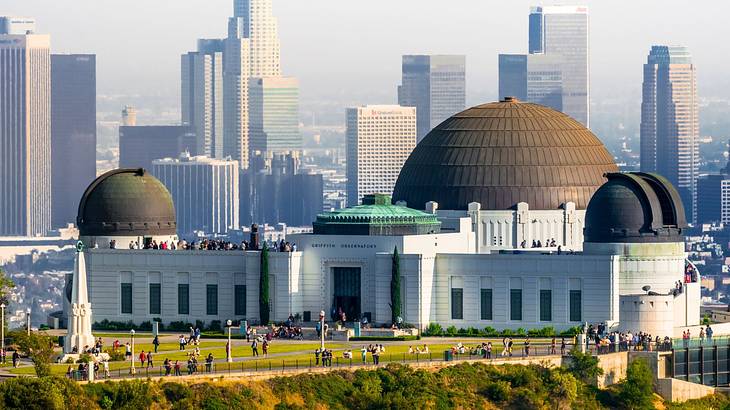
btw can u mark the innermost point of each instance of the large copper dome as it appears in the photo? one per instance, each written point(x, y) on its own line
point(502, 153)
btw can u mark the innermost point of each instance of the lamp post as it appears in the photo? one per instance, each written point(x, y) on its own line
point(27, 316)
point(321, 328)
point(2, 313)
point(131, 368)
point(229, 349)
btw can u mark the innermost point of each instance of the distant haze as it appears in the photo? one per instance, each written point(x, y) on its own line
point(350, 50)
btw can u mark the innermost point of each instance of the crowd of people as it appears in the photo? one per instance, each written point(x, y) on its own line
point(606, 342)
point(205, 244)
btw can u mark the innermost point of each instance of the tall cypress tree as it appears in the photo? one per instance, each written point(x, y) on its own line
point(395, 303)
point(264, 287)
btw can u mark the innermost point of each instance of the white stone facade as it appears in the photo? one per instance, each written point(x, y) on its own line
point(443, 280)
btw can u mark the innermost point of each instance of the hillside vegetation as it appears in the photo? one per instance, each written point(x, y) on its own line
point(464, 386)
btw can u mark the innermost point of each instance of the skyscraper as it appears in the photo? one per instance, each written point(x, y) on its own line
point(16, 25)
point(670, 121)
point(129, 116)
point(435, 85)
point(261, 28)
point(236, 69)
point(204, 191)
point(556, 70)
point(563, 31)
point(545, 80)
point(140, 145)
point(379, 139)
point(513, 76)
point(202, 96)
point(278, 192)
point(274, 114)
point(25, 134)
point(73, 132)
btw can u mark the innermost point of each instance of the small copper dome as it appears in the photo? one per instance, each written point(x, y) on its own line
point(126, 202)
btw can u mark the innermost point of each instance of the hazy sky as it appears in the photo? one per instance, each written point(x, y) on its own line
point(350, 50)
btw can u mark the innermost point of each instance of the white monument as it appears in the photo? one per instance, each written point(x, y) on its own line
point(79, 316)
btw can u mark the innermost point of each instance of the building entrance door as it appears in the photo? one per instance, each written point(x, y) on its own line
point(346, 292)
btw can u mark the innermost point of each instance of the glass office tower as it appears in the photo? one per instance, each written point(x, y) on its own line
point(670, 121)
point(563, 31)
point(435, 85)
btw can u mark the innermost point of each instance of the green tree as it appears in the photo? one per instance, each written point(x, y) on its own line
point(637, 391)
point(584, 366)
point(264, 287)
point(6, 284)
point(38, 347)
point(395, 303)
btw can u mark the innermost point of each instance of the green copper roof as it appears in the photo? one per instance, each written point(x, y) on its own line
point(376, 216)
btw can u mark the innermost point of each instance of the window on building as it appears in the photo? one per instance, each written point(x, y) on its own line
point(183, 299)
point(155, 299)
point(126, 298)
point(211, 300)
point(575, 308)
point(546, 305)
point(486, 307)
point(457, 303)
point(240, 296)
point(515, 304)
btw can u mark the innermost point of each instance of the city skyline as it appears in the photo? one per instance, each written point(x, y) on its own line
point(614, 53)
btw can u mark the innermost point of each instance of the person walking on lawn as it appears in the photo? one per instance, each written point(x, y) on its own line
point(156, 342)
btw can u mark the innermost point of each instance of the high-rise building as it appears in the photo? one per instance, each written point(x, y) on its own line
point(556, 70)
point(204, 191)
point(563, 31)
point(261, 28)
point(274, 114)
point(670, 121)
point(202, 95)
point(73, 132)
point(379, 139)
point(545, 80)
point(129, 116)
point(25, 134)
point(274, 191)
point(435, 85)
point(236, 70)
point(140, 145)
point(513, 76)
point(714, 189)
point(16, 25)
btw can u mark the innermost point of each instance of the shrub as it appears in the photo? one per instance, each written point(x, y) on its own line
point(215, 326)
point(637, 390)
point(433, 329)
point(42, 393)
point(490, 332)
point(145, 326)
point(84, 358)
point(520, 332)
point(544, 332)
point(575, 330)
point(506, 332)
point(115, 355)
point(451, 330)
point(498, 391)
point(584, 366)
point(179, 326)
point(111, 325)
point(472, 331)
